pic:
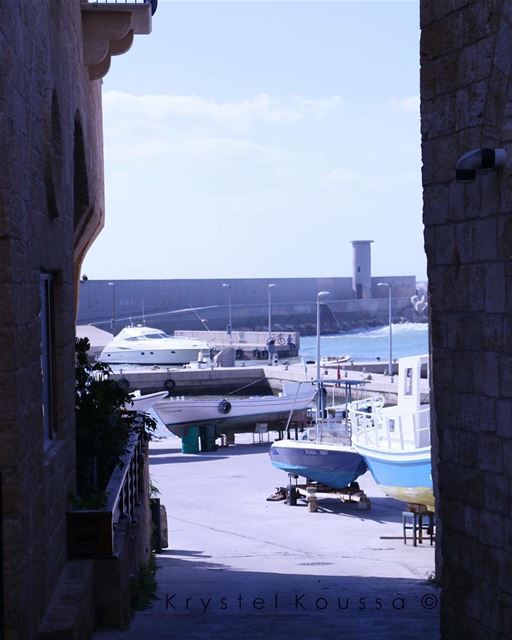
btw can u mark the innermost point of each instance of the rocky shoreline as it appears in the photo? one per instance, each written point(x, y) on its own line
point(309, 329)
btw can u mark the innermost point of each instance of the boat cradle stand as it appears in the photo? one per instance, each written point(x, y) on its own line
point(419, 520)
point(312, 492)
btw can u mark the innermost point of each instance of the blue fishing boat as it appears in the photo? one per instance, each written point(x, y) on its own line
point(334, 465)
point(325, 455)
point(395, 441)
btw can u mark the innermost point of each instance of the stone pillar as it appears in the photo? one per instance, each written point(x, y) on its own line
point(362, 269)
point(466, 103)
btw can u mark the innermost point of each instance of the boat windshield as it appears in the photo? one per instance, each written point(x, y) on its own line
point(154, 336)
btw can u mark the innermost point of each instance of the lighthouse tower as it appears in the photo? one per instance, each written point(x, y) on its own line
point(362, 269)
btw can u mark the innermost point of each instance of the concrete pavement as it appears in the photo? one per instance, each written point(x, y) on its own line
point(241, 567)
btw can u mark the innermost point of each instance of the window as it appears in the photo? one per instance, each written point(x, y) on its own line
point(408, 382)
point(45, 317)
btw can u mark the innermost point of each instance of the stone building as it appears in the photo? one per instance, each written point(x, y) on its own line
point(466, 104)
point(53, 54)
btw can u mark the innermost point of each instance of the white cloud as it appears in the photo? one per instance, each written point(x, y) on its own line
point(409, 104)
point(195, 148)
point(237, 116)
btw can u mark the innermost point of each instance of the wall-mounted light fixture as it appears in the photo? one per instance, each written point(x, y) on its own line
point(476, 159)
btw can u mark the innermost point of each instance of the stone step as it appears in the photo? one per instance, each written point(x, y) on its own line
point(70, 612)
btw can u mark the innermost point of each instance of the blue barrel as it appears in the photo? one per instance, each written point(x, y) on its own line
point(190, 440)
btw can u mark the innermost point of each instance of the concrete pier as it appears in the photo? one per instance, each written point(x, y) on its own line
point(254, 380)
point(241, 567)
point(249, 345)
point(181, 381)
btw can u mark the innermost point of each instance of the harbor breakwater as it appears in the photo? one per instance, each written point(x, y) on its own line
point(200, 304)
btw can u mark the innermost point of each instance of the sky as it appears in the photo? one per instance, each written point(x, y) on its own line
point(258, 138)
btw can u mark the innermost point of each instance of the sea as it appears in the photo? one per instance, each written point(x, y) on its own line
point(408, 339)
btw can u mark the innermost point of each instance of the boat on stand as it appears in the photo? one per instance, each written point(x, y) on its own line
point(395, 440)
point(236, 414)
point(326, 454)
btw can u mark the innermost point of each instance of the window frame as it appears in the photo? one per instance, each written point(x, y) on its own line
point(47, 354)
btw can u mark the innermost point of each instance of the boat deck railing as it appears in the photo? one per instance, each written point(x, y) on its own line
point(404, 431)
point(330, 430)
point(368, 405)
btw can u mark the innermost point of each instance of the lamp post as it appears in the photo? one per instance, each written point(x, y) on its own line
point(270, 287)
point(229, 327)
point(319, 394)
point(390, 319)
point(113, 323)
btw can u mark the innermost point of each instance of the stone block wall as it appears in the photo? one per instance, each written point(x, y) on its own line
point(46, 97)
point(466, 103)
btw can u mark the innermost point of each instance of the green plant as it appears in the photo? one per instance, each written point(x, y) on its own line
point(92, 501)
point(103, 424)
point(143, 586)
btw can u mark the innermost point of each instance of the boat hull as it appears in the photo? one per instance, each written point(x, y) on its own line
point(403, 475)
point(330, 464)
point(150, 356)
point(142, 404)
point(242, 414)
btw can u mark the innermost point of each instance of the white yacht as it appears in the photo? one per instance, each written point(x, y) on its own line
point(145, 345)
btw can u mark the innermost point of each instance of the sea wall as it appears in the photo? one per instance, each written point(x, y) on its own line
point(183, 304)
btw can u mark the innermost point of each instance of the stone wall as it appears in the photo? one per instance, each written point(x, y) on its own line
point(466, 103)
point(50, 124)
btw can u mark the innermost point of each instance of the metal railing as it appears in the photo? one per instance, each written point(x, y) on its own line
point(91, 532)
point(126, 482)
point(403, 431)
point(153, 3)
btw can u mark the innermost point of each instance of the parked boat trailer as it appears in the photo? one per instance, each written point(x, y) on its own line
point(312, 492)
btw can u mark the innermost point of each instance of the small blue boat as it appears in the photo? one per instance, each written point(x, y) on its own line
point(395, 440)
point(325, 455)
point(334, 465)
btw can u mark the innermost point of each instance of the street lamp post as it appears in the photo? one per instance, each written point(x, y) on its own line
point(229, 327)
point(270, 287)
point(319, 393)
point(113, 323)
point(390, 319)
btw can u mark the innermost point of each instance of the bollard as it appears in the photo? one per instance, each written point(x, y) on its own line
point(312, 500)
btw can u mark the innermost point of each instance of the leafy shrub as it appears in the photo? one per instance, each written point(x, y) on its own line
point(103, 424)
